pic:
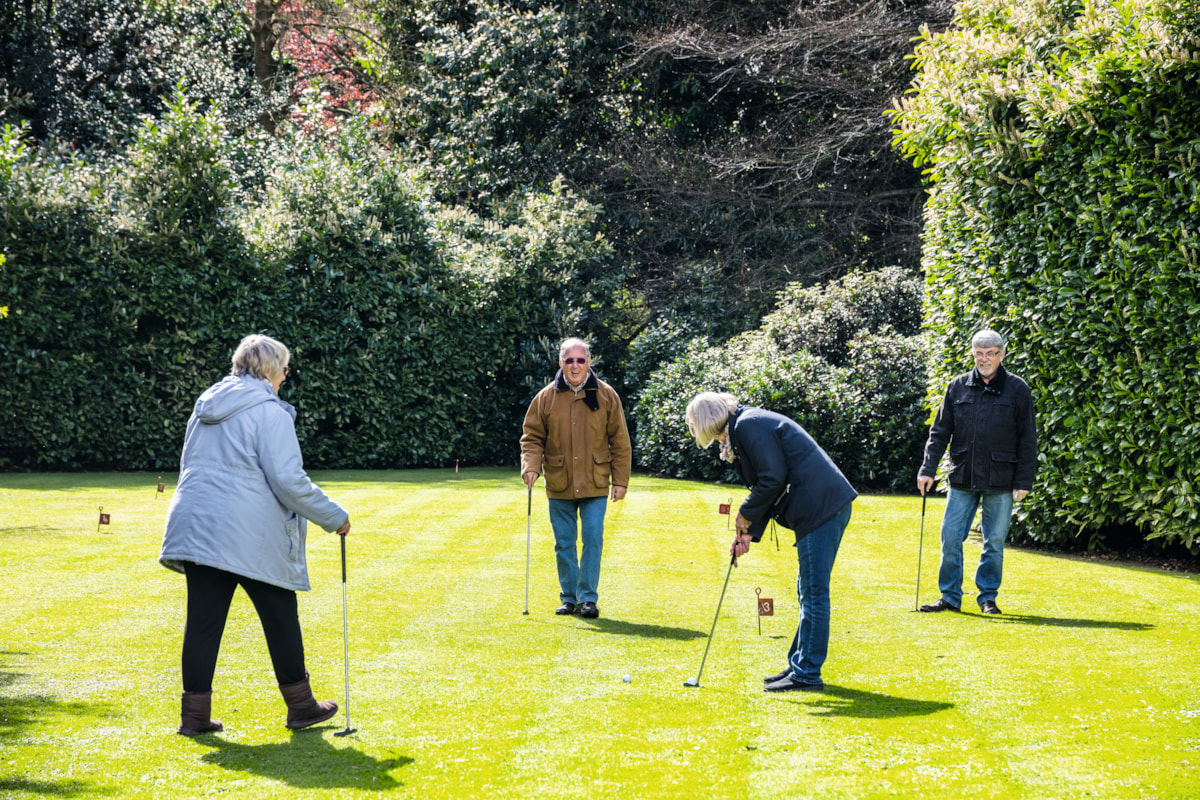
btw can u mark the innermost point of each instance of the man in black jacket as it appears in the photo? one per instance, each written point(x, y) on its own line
point(986, 420)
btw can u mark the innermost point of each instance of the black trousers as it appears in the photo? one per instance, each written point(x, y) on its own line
point(210, 592)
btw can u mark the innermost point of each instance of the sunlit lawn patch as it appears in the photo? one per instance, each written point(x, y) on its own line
point(1085, 687)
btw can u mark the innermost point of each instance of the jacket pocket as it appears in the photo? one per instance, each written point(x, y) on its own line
point(1003, 470)
point(601, 469)
point(293, 535)
point(556, 473)
point(958, 463)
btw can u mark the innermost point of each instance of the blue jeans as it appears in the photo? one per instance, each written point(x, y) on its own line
point(578, 575)
point(815, 554)
point(956, 524)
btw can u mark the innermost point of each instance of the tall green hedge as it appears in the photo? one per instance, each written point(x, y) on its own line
point(1061, 141)
point(418, 332)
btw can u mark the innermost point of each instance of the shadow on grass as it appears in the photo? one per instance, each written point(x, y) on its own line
point(307, 761)
point(10, 786)
point(1067, 622)
point(20, 714)
point(836, 701)
point(624, 628)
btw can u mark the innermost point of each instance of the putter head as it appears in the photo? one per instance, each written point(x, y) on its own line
point(525, 613)
point(691, 682)
point(346, 732)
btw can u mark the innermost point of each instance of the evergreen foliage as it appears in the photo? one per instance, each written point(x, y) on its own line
point(846, 361)
point(1061, 141)
point(87, 71)
point(418, 332)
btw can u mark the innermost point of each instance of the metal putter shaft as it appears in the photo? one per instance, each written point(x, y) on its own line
point(346, 643)
point(920, 548)
point(695, 682)
point(528, 529)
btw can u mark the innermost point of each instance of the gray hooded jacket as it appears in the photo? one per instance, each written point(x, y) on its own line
point(243, 495)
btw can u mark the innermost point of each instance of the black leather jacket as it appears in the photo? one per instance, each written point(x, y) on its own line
point(990, 432)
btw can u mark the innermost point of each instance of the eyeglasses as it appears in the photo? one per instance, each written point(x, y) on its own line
point(574, 360)
point(988, 354)
point(287, 371)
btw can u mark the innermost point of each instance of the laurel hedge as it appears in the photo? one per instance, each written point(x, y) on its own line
point(417, 331)
point(1062, 146)
point(845, 360)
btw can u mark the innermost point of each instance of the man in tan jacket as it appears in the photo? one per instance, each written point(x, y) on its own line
point(575, 431)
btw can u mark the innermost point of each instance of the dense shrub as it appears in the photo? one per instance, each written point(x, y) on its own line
point(1062, 143)
point(418, 332)
point(87, 71)
point(862, 404)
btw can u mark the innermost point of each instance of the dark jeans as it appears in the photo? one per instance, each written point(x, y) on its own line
point(210, 592)
point(816, 553)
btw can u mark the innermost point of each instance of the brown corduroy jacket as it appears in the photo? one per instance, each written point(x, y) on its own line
point(579, 441)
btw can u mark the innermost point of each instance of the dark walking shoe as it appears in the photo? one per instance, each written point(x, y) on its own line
point(790, 684)
point(589, 610)
point(778, 676)
point(304, 709)
point(940, 605)
point(195, 716)
point(989, 607)
point(566, 609)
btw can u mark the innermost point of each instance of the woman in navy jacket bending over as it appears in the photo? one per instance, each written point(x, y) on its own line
point(794, 482)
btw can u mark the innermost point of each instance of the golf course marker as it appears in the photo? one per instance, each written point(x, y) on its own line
point(766, 607)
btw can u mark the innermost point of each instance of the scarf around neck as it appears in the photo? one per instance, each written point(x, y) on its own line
point(590, 388)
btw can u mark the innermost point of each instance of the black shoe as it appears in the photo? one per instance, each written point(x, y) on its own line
point(589, 610)
point(565, 609)
point(790, 684)
point(989, 607)
point(778, 676)
point(940, 605)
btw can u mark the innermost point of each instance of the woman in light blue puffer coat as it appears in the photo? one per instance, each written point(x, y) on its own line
point(239, 517)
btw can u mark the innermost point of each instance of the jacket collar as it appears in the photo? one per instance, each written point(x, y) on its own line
point(996, 386)
point(591, 388)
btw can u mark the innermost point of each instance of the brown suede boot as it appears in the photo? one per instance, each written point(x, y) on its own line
point(303, 708)
point(195, 716)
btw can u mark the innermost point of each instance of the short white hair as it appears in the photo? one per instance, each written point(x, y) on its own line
point(988, 338)
point(260, 357)
point(573, 342)
point(708, 414)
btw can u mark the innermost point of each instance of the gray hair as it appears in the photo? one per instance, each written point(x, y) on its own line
point(988, 338)
point(260, 357)
point(567, 344)
point(708, 414)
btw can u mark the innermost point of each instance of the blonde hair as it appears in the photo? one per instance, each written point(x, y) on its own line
point(708, 414)
point(260, 357)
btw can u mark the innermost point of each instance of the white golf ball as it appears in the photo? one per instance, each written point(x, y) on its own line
point(628, 679)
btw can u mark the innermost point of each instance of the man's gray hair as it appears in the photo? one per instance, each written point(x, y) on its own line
point(260, 357)
point(708, 414)
point(574, 341)
point(988, 338)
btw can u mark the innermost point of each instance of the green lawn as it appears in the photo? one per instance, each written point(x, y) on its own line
point(1086, 687)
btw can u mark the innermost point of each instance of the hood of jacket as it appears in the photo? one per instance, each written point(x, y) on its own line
point(233, 395)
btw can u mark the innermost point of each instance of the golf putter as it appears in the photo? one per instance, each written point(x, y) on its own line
point(346, 643)
point(528, 530)
point(920, 547)
point(695, 682)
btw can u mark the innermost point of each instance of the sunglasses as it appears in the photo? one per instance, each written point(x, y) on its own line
point(574, 360)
